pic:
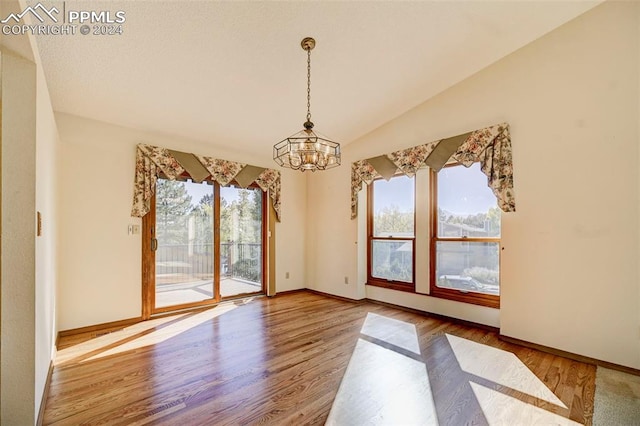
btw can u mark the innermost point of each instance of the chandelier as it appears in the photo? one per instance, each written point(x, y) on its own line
point(307, 149)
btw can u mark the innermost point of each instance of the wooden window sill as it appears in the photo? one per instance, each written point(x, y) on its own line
point(480, 299)
point(409, 288)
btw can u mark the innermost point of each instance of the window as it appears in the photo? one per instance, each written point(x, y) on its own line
point(391, 233)
point(436, 234)
point(465, 237)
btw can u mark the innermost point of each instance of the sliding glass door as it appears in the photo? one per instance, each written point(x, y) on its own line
point(202, 243)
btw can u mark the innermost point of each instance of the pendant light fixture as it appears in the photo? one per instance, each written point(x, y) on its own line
point(307, 149)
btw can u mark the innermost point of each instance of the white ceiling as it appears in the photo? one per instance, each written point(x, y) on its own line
point(234, 74)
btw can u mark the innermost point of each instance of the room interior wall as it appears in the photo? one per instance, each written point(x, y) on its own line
point(638, 120)
point(46, 139)
point(46, 243)
point(18, 250)
point(99, 263)
point(291, 232)
point(568, 270)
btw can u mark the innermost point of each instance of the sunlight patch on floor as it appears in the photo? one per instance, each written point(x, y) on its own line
point(386, 387)
point(167, 332)
point(500, 367)
point(501, 409)
point(111, 338)
point(396, 332)
point(387, 381)
point(139, 335)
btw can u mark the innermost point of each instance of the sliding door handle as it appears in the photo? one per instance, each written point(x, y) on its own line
point(154, 244)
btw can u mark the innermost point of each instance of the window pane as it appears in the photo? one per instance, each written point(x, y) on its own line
point(392, 260)
point(466, 205)
point(393, 205)
point(468, 266)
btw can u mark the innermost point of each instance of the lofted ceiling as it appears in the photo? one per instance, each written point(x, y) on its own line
point(234, 74)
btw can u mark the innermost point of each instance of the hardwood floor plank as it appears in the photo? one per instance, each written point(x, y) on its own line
point(281, 361)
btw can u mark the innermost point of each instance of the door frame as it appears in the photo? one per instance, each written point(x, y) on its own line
point(149, 257)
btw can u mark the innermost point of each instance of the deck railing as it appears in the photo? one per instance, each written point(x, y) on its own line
point(195, 261)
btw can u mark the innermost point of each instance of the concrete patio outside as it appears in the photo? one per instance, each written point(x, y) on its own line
point(196, 290)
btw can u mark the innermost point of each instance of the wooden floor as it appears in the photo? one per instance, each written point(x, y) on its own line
point(302, 358)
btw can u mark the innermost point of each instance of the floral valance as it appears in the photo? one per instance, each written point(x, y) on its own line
point(490, 146)
point(151, 160)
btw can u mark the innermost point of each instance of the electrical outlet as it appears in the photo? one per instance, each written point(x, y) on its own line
point(286, 275)
point(346, 280)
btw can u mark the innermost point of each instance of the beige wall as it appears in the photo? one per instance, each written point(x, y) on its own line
point(29, 281)
point(291, 233)
point(569, 267)
point(99, 263)
point(46, 244)
point(18, 251)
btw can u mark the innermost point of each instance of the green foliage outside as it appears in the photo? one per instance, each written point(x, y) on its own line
point(180, 223)
point(240, 219)
point(248, 269)
point(172, 208)
point(202, 217)
point(391, 221)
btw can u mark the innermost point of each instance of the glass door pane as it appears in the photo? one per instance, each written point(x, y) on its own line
point(240, 241)
point(184, 230)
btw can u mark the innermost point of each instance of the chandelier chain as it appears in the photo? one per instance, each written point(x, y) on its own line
point(308, 84)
